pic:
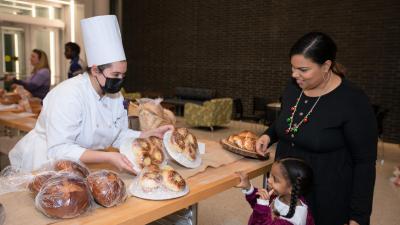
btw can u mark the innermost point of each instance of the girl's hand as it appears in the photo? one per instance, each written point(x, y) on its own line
point(262, 145)
point(244, 180)
point(264, 194)
point(121, 162)
point(158, 132)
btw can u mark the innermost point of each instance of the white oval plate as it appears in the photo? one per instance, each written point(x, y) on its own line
point(159, 194)
point(179, 157)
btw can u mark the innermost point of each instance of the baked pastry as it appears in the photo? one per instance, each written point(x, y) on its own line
point(148, 151)
point(245, 140)
point(36, 184)
point(182, 141)
point(150, 179)
point(71, 166)
point(247, 134)
point(172, 180)
point(64, 196)
point(107, 188)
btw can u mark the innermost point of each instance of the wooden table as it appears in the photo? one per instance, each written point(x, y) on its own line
point(12, 120)
point(202, 186)
point(138, 211)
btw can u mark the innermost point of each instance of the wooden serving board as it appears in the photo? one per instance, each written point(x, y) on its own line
point(232, 148)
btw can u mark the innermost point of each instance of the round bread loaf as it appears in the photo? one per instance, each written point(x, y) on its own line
point(71, 166)
point(107, 188)
point(64, 196)
point(37, 182)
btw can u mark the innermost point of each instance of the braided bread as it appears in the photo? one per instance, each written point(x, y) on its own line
point(148, 151)
point(245, 140)
point(182, 141)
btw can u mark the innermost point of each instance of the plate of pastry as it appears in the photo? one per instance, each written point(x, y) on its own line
point(158, 183)
point(243, 143)
point(144, 152)
point(182, 146)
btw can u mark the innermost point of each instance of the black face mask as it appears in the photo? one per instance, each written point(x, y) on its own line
point(112, 85)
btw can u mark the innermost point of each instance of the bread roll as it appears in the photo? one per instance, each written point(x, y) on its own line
point(172, 180)
point(150, 179)
point(64, 196)
point(107, 188)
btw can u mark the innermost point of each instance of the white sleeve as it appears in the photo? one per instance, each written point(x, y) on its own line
point(262, 201)
point(63, 125)
point(125, 131)
point(248, 192)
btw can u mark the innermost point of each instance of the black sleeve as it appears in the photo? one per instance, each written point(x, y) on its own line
point(271, 132)
point(361, 135)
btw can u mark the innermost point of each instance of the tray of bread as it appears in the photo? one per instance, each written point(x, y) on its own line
point(182, 146)
point(243, 143)
point(158, 183)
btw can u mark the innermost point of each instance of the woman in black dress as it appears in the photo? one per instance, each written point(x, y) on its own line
point(327, 121)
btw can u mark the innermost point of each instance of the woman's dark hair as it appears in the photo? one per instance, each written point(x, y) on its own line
point(74, 48)
point(300, 176)
point(318, 47)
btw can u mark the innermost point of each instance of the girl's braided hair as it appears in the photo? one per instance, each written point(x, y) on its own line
point(300, 176)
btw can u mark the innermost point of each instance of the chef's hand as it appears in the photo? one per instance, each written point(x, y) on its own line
point(121, 162)
point(158, 132)
point(262, 145)
point(244, 180)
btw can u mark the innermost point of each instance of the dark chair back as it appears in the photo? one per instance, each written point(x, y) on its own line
point(259, 105)
point(238, 109)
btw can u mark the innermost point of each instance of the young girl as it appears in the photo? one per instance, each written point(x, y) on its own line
point(283, 204)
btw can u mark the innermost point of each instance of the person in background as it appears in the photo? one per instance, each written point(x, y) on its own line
point(38, 84)
point(283, 203)
point(77, 65)
point(327, 121)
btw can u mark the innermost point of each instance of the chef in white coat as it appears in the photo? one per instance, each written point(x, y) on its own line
point(85, 114)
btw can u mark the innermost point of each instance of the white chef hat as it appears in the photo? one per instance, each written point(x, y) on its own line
point(102, 40)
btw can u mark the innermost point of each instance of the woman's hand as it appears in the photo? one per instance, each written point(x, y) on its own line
point(264, 194)
point(158, 132)
point(121, 162)
point(244, 180)
point(262, 145)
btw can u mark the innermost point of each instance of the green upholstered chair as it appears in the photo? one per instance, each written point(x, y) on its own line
point(215, 112)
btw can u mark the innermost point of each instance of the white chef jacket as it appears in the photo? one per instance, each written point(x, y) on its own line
point(73, 118)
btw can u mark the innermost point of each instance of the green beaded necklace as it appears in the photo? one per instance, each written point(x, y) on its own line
point(294, 128)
